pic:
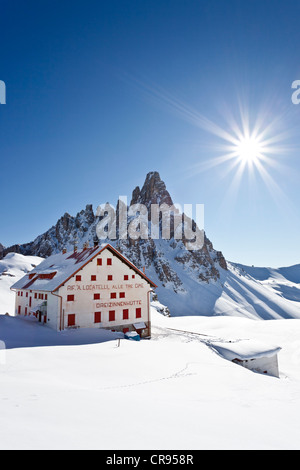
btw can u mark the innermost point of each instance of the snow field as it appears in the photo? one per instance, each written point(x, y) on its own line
point(170, 392)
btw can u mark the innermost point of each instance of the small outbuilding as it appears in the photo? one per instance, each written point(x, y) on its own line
point(251, 354)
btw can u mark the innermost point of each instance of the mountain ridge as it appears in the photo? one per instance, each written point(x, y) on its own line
point(168, 262)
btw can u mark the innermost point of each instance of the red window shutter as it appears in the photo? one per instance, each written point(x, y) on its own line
point(35, 295)
point(109, 261)
point(133, 276)
point(93, 277)
point(71, 319)
point(125, 277)
point(30, 300)
point(125, 330)
point(25, 310)
point(112, 315)
point(46, 296)
point(109, 277)
point(99, 262)
point(70, 298)
point(26, 294)
point(122, 295)
point(97, 318)
point(78, 277)
point(113, 295)
point(96, 296)
point(19, 309)
point(125, 314)
point(138, 312)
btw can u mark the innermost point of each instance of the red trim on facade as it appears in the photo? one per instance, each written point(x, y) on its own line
point(114, 251)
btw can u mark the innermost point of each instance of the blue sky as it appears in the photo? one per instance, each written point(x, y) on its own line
point(101, 92)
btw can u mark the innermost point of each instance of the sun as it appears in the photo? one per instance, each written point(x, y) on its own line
point(249, 149)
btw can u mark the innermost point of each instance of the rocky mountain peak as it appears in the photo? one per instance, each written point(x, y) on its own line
point(154, 191)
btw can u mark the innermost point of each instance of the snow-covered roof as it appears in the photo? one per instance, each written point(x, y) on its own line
point(139, 326)
point(245, 350)
point(54, 271)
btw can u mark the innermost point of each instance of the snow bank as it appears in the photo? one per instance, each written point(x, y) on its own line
point(12, 268)
point(245, 349)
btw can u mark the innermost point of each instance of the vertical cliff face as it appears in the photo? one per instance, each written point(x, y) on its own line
point(167, 256)
point(177, 271)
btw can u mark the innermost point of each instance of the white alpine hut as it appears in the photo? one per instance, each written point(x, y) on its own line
point(92, 288)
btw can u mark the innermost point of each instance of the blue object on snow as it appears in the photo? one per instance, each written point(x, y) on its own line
point(132, 335)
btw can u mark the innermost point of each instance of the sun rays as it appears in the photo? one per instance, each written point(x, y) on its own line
point(248, 143)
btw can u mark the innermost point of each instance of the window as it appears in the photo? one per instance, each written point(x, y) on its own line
point(71, 319)
point(138, 312)
point(122, 295)
point(109, 277)
point(93, 277)
point(96, 296)
point(125, 330)
point(133, 276)
point(70, 298)
point(125, 314)
point(97, 317)
point(46, 296)
point(25, 310)
point(112, 315)
point(126, 277)
point(99, 262)
point(78, 277)
point(21, 293)
point(26, 294)
point(109, 261)
point(113, 295)
point(19, 309)
point(35, 295)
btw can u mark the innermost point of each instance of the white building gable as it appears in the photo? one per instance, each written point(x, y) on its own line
point(94, 287)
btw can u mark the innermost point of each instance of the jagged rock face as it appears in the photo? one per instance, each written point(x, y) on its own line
point(67, 232)
point(2, 249)
point(153, 192)
point(167, 261)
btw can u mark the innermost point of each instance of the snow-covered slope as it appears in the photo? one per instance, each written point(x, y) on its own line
point(82, 389)
point(12, 268)
point(265, 293)
point(79, 391)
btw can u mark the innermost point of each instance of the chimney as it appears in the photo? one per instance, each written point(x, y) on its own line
point(64, 251)
point(144, 269)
